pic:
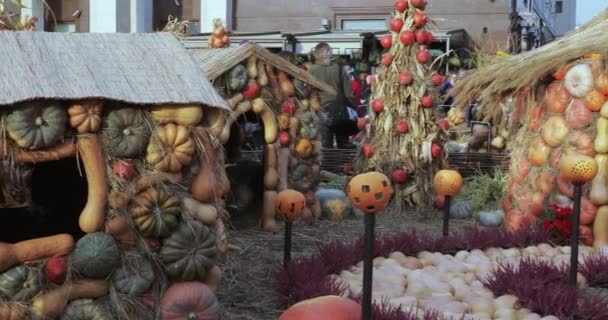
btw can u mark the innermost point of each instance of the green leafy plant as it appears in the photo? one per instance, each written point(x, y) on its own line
point(484, 191)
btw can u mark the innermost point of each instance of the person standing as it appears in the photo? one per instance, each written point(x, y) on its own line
point(332, 125)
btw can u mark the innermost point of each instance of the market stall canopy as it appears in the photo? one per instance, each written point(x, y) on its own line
point(493, 83)
point(215, 62)
point(140, 68)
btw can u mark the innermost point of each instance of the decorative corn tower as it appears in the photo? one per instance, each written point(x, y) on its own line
point(406, 141)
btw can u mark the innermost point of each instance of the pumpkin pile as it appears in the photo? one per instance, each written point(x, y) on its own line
point(153, 217)
point(219, 37)
point(563, 119)
point(454, 286)
point(406, 139)
point(288, 111)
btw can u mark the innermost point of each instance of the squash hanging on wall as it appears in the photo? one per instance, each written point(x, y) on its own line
point(36, 125)
point(189, 252)
point(21, 283)
point(189, 300)
point(95, 255)
point(134, 276)
point(171, 150)
point(188, 115)
point(85, 116)
point(126, 133)
point(155, 212)
point(85, 309)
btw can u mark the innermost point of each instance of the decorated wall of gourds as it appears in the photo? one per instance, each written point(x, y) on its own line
point(564, 114)
point(288, 110)
point(153, 217)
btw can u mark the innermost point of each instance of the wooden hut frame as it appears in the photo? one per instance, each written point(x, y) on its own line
point(287, 100)
point(174, 176)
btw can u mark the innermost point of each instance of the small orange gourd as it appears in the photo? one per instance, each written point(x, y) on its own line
point(303, 148)
point(578, 169)
point(538, 152)
point(594, 100)
point(447, 182)
point(555, 131)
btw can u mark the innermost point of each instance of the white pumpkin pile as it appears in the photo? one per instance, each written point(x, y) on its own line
point(452, 285)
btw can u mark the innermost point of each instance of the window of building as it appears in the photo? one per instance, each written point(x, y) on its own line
point(65, 27)
point(559, 6)
point(363, 24)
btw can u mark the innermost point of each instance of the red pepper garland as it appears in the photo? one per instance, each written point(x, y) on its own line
point(405, 136)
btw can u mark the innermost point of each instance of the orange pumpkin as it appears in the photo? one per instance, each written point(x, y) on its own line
point(290, 204)
point(557, 97)
point(588, 211)
point(514, 220)
point(370, 192)
point(586, 235)
point(580, 142)
point(577, 115)
point(594, 100)
point(555, 131)
point(546, 182)
point(447, 182)
point(601, 82)
point(538, 152)
point(561, 74)
point(578, 169)
point(326, 307)
point(520, 170)
point(536, 118)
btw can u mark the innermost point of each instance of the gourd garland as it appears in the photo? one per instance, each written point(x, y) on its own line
point(35, 125)
point(189, 253)
point(126, 133)
point(155, 212)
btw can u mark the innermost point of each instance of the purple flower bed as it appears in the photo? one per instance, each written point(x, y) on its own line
point(307, 277)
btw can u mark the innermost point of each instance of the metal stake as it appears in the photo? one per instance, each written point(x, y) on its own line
point(368, 266)
point(287, 244)
point(446, 215)
point(574, 237)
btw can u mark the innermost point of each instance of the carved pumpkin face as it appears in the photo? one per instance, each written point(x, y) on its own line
point(290, 204)
point(370, 192)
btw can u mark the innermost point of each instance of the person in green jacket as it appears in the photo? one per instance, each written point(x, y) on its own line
point(327, 71)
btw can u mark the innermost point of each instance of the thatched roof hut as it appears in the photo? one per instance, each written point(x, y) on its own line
point(493, 83)
point(216, 62)
point(152, 69)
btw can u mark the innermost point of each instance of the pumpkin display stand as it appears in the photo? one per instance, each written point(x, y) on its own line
point(264, 88)
point(559, 101)
point(120, 180)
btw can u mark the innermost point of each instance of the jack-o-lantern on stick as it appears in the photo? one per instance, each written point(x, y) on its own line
point(578, 170)
point(447, 183)
point(369, 192)
point(290, 205)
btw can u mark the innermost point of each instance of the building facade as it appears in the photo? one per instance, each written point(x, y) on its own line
point(490, 23)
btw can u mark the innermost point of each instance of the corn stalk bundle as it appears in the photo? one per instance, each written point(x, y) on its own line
point(411, 151)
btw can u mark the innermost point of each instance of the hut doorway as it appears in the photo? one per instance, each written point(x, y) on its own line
point(58, 195)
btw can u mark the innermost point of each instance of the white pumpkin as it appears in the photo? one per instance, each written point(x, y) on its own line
point(579, 80)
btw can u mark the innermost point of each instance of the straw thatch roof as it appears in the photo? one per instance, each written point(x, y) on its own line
point(492, 83)
point(151, 68)
point(216, 62)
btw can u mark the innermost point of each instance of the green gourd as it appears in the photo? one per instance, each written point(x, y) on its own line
point(126, 133)
point(491, 219)
point(21, 283)
point(461, 210)
point(189, 253)
point(85, 309)
point(155, 212)
point(36, 125)
point(95, 255)
point(309, 125)
point(237, 78)
point(134, 276)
